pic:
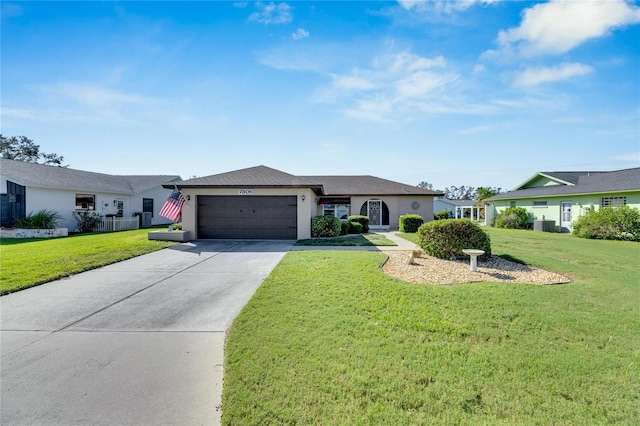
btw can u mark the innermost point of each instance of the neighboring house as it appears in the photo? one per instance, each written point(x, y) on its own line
point(564, 196)
point(29, 187)
point(264, 203)
point(457, 208)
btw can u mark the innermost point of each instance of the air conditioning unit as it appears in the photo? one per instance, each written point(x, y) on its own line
point(146, 219)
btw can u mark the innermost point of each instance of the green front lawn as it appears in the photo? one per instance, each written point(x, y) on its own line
point(349, 240)
point(329, 339)
point(28, 262)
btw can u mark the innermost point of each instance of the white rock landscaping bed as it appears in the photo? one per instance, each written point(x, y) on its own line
point(431, 270)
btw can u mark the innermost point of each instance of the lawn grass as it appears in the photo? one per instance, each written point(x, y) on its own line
point(349, 241)
point(28, 262)
point(329, 339)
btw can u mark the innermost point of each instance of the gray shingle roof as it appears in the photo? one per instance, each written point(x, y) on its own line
point(366, 185)
point(263, 176)
point(586, 183)
point(259, 176)
point(43, 176)
point(571, 177)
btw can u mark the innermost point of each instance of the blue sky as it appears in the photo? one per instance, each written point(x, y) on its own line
point(477, 93)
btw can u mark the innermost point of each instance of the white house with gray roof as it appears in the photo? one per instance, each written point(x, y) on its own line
point(564, 196)
point(29, 187)
point(264, 203)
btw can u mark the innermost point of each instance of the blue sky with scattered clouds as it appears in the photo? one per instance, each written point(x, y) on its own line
point(478, 92)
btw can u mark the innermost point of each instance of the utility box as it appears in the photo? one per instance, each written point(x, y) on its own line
point(544, 225)
point(146, 219)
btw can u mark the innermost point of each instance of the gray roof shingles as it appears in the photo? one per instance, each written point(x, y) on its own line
point(262, 176)
point(44, 176)
point(585, 183)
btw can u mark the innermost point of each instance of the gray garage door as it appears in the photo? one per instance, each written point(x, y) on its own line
point(260, 217)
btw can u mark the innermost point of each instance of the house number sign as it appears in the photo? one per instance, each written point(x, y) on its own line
point(245, 191)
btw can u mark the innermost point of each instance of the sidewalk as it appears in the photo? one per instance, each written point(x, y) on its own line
point(402, 245)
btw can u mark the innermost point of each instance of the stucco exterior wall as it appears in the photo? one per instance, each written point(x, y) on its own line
point(64, 202)
point(398, 206)
point(159, 195)
point(580, 205)
point(305, 207)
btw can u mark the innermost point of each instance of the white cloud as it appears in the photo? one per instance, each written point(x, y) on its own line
point(440, 6)
point(559, 26)
point(476, 130)
point(240, 4)
point(92, 95)
point(539, 75)
point(631, 157)
point(396, 86)
point(300, 34)
point(272, 13)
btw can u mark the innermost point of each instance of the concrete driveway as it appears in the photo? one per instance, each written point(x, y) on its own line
point(139, 342)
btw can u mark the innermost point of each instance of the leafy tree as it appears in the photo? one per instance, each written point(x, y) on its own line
point(460, 192)
point(425, 185)
point(484, 192)
point(21, 148)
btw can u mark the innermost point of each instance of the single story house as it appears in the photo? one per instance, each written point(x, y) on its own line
point(29, 187)
point(564, 196)
point(264, 203)
point(457, 208)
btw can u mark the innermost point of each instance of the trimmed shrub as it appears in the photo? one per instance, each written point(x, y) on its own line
point(609, 223)
point(441, 215)
point(410, 222)
point(87, 221)
point(43, 219)
point(355, 228)
point(325, 226)
point(446, 239)
point(361, 219)
point(513, 218)
point(344, 228)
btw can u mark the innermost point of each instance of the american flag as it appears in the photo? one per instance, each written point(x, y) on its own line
point(173, 206)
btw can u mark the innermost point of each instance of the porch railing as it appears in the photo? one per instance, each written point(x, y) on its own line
point(118, 224)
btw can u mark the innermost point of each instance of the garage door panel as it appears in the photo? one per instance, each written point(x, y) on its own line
point(261, 217)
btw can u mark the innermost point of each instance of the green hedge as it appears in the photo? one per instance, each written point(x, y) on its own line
point(363, 220)
point(441, 215)
point(410, 222)
point(355, 228)
point(325, 226)
point(446, 239)
point(609, 223)
point(513, 218)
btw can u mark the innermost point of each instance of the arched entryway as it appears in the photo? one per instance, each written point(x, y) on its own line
point(377, 212)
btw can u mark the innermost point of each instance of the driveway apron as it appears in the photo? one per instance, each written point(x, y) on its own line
point(139, 342)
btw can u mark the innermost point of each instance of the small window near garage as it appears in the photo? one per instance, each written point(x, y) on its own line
point(147, 205)
point(85, 202)
point(341, 211)
point(539, 204)
point(614, 201)
point(512, 204)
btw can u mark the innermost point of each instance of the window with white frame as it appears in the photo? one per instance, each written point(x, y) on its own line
point(613, 201)
point(540, 203)
point(341, 211)
point(85, 202)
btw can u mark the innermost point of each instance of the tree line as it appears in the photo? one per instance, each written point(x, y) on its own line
point(21, 148)
point(465, 192)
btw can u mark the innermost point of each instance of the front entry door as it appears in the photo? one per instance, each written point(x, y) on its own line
point(374, 211)
point(565, 224)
